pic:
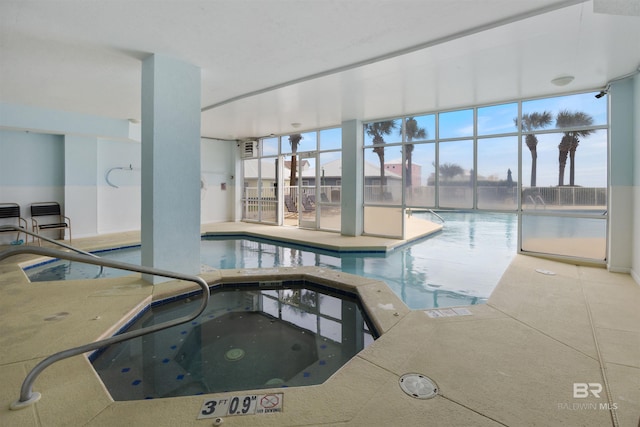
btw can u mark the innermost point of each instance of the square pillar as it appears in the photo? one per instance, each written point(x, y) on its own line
point(352, 178)
point(170, 211)
point(621, 115)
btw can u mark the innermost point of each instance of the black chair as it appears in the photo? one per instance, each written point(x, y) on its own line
point(56, 220)
point(11, 211)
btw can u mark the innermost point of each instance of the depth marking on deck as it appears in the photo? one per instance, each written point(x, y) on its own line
point(249, 404)
point(448, 312)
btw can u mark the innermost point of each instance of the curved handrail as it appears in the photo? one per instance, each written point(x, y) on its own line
point(433, 213)
point(64, 245)
point(27, 397)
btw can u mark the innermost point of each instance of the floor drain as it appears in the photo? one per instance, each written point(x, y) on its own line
point(418, 386)
point(234, 354)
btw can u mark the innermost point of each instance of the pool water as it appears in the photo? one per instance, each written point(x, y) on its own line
point(460, 265)
point(250, 336)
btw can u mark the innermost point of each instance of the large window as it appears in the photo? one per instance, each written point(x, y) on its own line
point(313, 187)
point(496, 180)
point(545, 158)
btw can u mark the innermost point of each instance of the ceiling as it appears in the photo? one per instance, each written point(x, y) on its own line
point(269, 63)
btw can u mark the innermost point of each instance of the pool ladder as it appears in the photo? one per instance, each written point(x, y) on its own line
point(27, 396)
point(410, 211)
point(433, 213)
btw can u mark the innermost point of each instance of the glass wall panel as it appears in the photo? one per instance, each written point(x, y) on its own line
point(268, 196)
point(420, 183)
point(579, 110)
point(307, 195)
point(497, 119)
point(259, 202)
point(496, 181)
point(564, 235)
point(329, 190)
point(330, 217)
point(382, 182)
point(270, 146)
point(331, 139)
point(420, 128)
point(383, 221)
point(330, 177)
point(456, 174)
point(307, 142)
point(250, 170)
point(455, 124)
point(386, 131)
point(570, 171)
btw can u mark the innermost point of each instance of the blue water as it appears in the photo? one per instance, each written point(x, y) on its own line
point(247, 338)
point(460, 265)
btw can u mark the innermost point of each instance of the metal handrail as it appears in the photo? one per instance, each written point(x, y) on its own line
point(433, 213)
point(27, 396)
point(55, 242)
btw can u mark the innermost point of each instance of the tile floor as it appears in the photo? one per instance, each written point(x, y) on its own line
point(514, 361)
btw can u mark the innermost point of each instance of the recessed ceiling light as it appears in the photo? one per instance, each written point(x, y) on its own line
point(562, 81)
point(295, 125)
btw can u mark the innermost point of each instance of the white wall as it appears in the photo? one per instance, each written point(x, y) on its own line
point(118, 208)
point(80, 195)
point(217, 167)
point(31, 170)
point(70, 167)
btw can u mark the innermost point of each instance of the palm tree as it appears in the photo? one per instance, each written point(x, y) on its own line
point(294, 140)
point(449, 170)
point(530, 122)
point(563, 149)
point(571, 139)
point(412, 131)
point(377, 131)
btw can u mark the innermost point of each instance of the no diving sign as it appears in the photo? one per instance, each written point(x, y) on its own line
point(269, 403)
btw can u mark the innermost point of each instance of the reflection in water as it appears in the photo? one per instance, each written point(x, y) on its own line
point(460, 265)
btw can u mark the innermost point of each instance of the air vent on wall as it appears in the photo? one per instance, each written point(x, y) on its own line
point(249, 149)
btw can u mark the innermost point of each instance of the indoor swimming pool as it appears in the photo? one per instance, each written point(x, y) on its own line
point(251, 336)
point(461, 265)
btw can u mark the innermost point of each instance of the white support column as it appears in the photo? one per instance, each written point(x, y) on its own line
point(352, 178)
point(621, 176)
point(170, 165)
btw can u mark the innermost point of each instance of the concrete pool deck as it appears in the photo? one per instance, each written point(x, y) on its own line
point(513, 361)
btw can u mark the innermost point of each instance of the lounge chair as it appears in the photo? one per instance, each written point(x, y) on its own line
point(11, 212)
point(307, 206)
point(55, 220)
point(292, 210)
